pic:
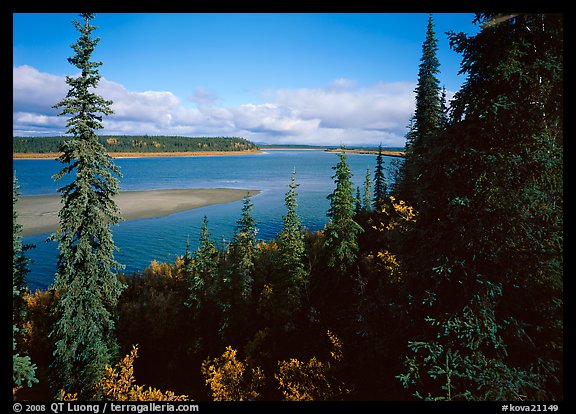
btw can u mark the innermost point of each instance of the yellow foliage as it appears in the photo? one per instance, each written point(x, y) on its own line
point(117, 384)
point(267, 247)
point(395, 215)
point(35, 329)
point(230, 379)
point(66, 396)
point(314, 379)
point(166, 270)
point(336, 352)
point(400, 214)
point(388, 259)
point(158, 269)
point(178, 268)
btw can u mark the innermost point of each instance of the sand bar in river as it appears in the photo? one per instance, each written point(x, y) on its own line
point(39, 214)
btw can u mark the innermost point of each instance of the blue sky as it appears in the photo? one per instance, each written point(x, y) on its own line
point(277, 78)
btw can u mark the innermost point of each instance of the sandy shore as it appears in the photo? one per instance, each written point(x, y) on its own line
point(39, 214)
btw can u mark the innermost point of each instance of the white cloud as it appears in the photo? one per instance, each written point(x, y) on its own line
point(341, 112)
point(343, 83)
point(35, 91)
point(203, 97)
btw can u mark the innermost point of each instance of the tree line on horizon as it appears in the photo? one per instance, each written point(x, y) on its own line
point(445, 285)
point(137, 143)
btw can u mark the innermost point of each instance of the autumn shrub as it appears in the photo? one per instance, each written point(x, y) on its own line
point(313, 379)
point(230, 379)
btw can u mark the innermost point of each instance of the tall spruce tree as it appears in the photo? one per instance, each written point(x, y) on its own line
point(86, 282)
point(484, 264)
point(341, 233)
point(366, 207)
point(379, 181)
point(427, 120)
point(291, 278)
point(202, 272)
point(236, 286)
point(203, 269)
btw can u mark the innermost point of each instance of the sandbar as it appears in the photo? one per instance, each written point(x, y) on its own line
point(39, 214)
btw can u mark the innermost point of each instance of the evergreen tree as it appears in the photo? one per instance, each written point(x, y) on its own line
point(236, 287)
point(484, 264)
point(342, 231)
point(427, 120)
point(243, 250)
point(19, 260)
point(202, 272)
point(443, 110)
point(291, 279)
point(203, 269)
point(367, 191)
point(86, 281)
point(23, 370)
point(379, 181)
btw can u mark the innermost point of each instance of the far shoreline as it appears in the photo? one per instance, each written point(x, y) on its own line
point(56, 155)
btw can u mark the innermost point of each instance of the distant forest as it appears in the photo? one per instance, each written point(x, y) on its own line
point(139, 143)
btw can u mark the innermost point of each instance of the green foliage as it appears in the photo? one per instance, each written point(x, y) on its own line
point(138, 143)
point(379, 181)
point(235, 287)
point(202, 270)
point(485, 259)
point(366, 203)
point(204, 284)
point(85, 277)
point(429, 118)
point(19, 260)
point(342, 231)
point(291, 277)
point(467, 359)
point(23, 370)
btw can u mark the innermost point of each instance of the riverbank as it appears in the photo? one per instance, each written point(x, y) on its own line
point(39, 214)
point(373, 152)
point(55, 155)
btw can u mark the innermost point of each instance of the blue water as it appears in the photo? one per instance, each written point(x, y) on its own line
point(164, 238)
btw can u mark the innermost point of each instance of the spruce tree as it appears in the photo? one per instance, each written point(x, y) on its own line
point(358, 202)
point(202, 272)
point(235, 289)
point(341, 233)
point(243, 249)
point(86, 282)
point(23, 370)
point(19, 260)
point(426, 123)
point(379, 181)
point(203, 269)
point(484, 263)
point(290, 280)
point(366, 207)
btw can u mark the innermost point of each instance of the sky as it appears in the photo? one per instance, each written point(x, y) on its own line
point(283, 78)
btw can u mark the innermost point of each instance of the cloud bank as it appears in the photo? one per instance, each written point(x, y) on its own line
point(341, 112)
